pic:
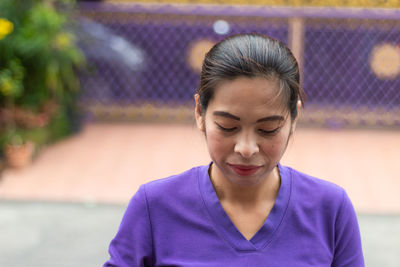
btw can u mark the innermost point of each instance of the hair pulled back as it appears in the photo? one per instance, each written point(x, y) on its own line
point(251, 55)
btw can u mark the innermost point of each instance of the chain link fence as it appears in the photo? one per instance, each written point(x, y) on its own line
point(352, 71)
point(145, 59)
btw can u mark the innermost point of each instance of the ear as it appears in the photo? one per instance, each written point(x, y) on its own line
point(199, 113)
point(294, 123)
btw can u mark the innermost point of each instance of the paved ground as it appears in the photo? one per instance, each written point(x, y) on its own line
point(106, 163)
point(38, 234)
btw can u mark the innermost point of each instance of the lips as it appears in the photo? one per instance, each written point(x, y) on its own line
point(244, 170)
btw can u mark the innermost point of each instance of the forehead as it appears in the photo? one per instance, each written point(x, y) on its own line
point(249, 94)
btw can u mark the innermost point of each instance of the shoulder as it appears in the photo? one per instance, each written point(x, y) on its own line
point(323, 209)
point(175, 187)
point(174, 182)
point(311, 190)
point(165, 193)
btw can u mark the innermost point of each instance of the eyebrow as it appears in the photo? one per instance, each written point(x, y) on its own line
point(272, 118)
point(230, 116)
point(226, 115)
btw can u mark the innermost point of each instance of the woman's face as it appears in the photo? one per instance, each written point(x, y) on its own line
point(247, 129)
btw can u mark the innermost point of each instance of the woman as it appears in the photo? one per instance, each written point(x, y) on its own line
point(244, 208)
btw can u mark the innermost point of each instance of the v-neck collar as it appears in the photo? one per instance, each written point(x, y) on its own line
point(226, 227)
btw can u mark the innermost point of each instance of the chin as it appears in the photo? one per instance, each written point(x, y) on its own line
point(245, 180)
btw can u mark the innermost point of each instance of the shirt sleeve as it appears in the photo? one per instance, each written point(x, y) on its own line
point(132, 245)
point(348, 249)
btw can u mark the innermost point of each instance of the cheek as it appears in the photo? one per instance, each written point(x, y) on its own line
point(218, 146)
point(276, 146)
point(272, 148)
point(281, 143)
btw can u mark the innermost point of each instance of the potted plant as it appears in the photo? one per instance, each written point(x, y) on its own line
point(39, 60)
point(17, 151)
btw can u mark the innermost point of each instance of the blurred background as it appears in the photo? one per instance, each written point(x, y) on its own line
point(96, 98)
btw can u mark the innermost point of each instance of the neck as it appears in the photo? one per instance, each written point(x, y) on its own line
point(230, 192)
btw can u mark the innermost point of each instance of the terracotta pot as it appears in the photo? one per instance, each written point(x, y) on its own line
point(19, 156)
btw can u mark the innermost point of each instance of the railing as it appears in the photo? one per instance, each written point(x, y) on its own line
point(146, 58)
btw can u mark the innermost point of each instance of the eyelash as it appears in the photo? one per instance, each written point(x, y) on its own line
point(263, 132)
point(272, 132)
point(226, 129)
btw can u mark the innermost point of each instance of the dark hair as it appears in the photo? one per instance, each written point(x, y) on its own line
point(251, 55)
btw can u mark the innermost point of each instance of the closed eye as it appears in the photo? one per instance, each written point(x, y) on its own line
point(226, 129)
point(271, 132)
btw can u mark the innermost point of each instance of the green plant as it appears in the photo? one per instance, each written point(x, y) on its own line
point(39, 61)
point(45, 47)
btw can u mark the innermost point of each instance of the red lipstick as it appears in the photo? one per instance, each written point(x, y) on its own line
point(244, 170)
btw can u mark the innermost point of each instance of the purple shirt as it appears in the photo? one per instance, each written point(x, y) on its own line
point(179, 221)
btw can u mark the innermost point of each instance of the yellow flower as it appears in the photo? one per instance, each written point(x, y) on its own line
point(6, 87)
point(63, 40)
point(6, 27)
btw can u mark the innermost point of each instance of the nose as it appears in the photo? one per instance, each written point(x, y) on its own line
point(246, 145)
